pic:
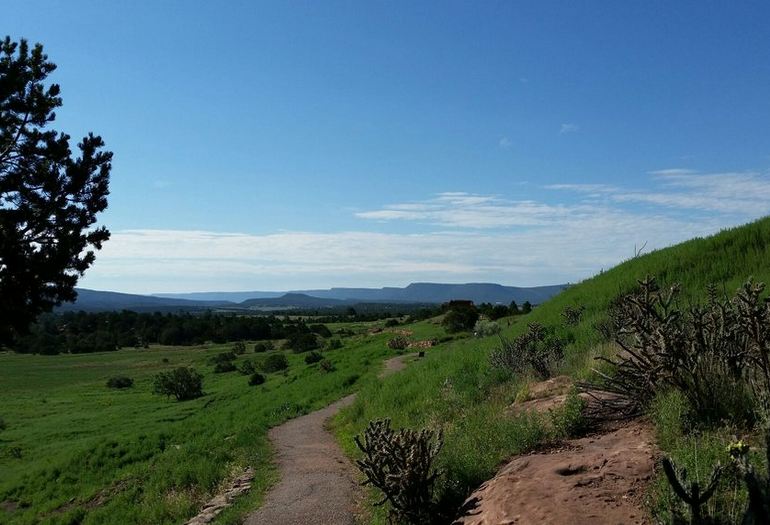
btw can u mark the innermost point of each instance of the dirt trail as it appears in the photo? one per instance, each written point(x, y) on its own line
point(596, 480)
point(317, 481)
point(394, 364)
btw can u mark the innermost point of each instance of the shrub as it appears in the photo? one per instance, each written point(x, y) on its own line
point(120, 382)
point(538, 350)
point(300, 342)
point(717, 355)
point(247, 368)
point(334, 344)
point(321, 329)
point(264, 346)
point(222, 357)
point(398, 343)
point(313, 357)
point(182, 383)
point(256, 379)
point(486, 328)
point(350, 380)
point(400, 464)
point(572, 314)
point(224, 366)
point(275, 363)
point(3, 424)
point(327, 366)
point(164, 360)
point(390, 323)
point(239, 348)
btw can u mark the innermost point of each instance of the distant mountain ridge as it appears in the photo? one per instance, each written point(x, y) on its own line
point(413, 293)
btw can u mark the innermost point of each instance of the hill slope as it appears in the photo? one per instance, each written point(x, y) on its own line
point(456, 389)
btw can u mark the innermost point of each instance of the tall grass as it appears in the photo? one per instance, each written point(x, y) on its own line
point(455, 389)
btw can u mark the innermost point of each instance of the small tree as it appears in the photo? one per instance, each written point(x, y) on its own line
point(526, 307)
point(239, 348)
point(313, 357)
point(182, 383)
point(460, 317)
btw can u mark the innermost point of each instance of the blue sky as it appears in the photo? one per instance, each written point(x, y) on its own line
point(280, 145)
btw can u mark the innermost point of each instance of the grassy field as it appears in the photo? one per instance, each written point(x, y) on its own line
point(75, 451)
point(456, 390)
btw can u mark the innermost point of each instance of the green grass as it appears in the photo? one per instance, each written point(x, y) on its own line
point(89, 454)
point(455, 390)
point(132, 457)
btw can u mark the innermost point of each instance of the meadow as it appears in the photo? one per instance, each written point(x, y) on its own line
point(74, 451)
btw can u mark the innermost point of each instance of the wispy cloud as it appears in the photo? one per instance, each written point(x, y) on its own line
point(568, 127)
point(467, 210)
point(567, 234)
point(742, 194)
point(505, 143)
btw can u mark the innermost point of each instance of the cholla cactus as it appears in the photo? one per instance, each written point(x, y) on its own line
point(573, 314)
point(758, 486)
point(400, 464)
point(691, 493)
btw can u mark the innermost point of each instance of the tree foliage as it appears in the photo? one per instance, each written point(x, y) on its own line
point(49, 198)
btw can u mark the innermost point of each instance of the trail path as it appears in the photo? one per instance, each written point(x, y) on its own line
point(317, 481)
point(595, 480)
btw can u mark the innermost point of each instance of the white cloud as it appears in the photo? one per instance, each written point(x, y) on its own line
point(743, 194)
point(466, 210)
point(470, 237)
point(505, 143)
point(568, 127)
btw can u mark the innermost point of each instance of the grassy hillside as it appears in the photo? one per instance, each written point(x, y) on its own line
point(74, 451)
point(455, 389)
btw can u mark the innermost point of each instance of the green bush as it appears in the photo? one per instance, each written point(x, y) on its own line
point(239, 348)
point(247, 368)
point(222, 357)
point(3, 424)
point(263, 346)
point(390, 323)
point(486, 328)
point(256, 379)
point(120, 382)
point(275, 363)
point(224, 367)
point(322, 330)
point(313, 357)
point(300, 342)
point(182, 383)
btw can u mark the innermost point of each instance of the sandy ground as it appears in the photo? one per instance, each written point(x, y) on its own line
point(317, 481)
point(594, 480)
